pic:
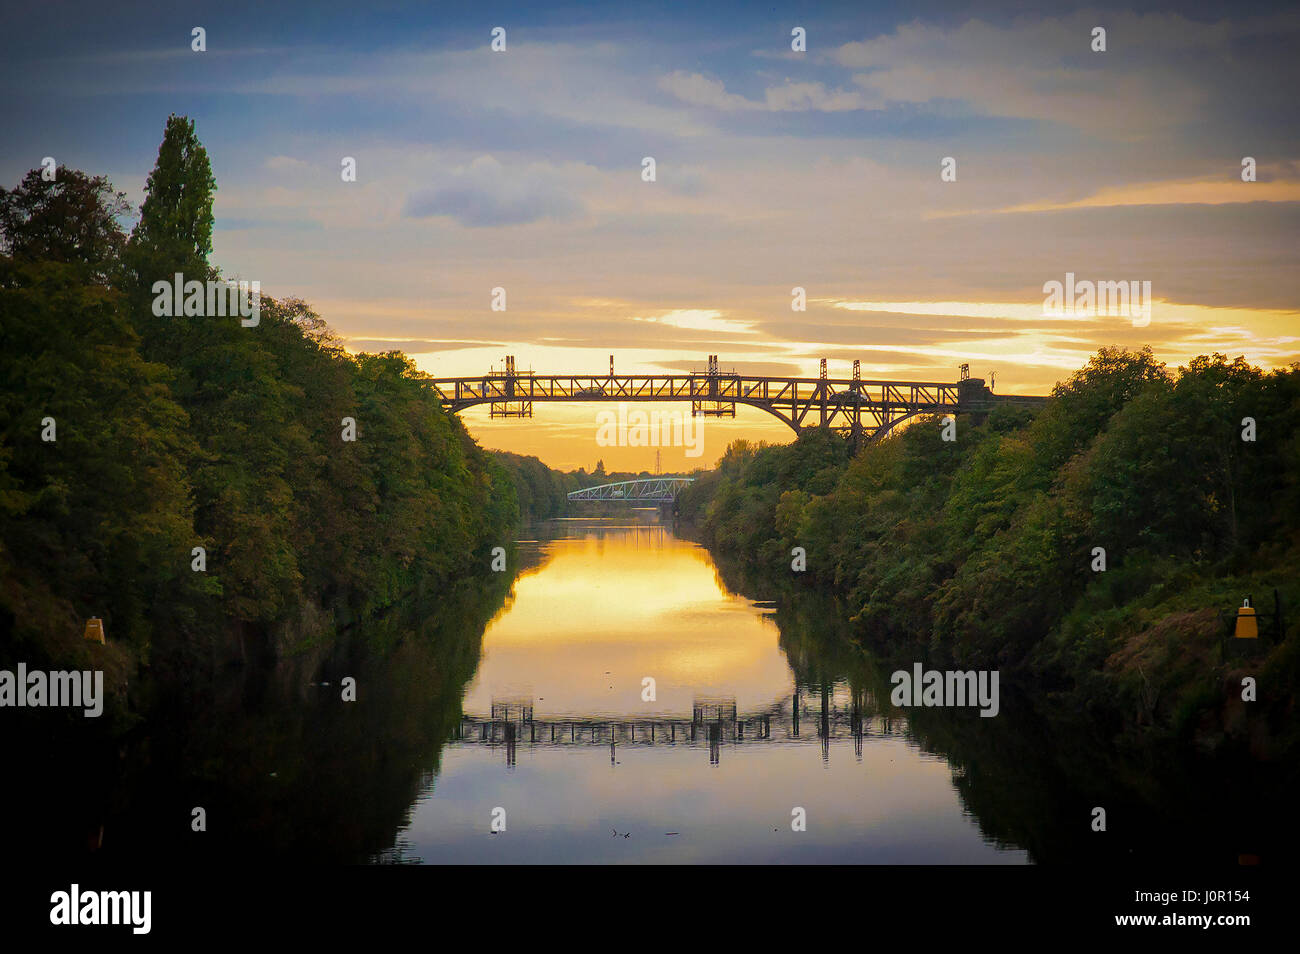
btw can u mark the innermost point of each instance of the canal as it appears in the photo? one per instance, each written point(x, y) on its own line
point(629, 707)
point(620, 697)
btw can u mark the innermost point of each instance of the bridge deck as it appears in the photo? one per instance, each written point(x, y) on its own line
point(682, 387)
point(846, 403)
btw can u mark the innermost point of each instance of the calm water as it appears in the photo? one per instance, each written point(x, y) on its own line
point(524, 692)
point(556, 732)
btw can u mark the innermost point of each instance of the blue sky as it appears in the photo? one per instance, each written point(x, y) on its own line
point(774, 169)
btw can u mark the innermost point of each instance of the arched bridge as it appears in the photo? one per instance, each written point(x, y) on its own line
point(654, 489)
point(852, 405)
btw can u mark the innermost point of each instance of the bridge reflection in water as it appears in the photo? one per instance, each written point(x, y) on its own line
point(805, 717)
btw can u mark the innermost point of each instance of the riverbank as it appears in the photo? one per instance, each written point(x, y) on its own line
point(1097, 548)
point(1033, 775)
point(283, 765)
point(218, 490)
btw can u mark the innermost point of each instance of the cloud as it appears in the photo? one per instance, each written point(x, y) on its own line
point(486, 195)
point(1221, 191)
point(236, 223)
point(286, 164)
point(479, 208)
point(597, 84)
point(414, 345)
point(1032, 311)
point(699, 90)
point(1160, 71)
point(696, 89)
point(775, 369)
point(699, 319)
point(813, 96)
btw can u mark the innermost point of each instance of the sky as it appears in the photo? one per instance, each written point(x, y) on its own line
point(522, 169)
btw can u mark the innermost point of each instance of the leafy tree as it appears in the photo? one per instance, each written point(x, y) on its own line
point(980, 551)
point(177, 433)
point(73, 219)
point(101, 516)
point(1086, 401)
point(176, 217)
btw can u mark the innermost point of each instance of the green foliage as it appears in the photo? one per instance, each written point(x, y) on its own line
point(175, 433)
point(541, 491)
point(979, 551)
point(103, 512)
point(176, 217)
point(71, 220)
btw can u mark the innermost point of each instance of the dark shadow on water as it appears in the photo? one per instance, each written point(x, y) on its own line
point(284, 768)
point(287, 771)
point(1032, 778)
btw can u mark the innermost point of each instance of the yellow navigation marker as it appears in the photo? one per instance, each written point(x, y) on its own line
point(1247, 623)
point(95, 629)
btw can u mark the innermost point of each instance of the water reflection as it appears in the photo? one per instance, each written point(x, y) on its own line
point(530, 696)
point(742, 726)
point(833, 713)
point(1031, 777)
point(283, 767)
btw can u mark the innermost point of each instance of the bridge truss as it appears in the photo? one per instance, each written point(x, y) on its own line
point(655, 489)
point(852, 405)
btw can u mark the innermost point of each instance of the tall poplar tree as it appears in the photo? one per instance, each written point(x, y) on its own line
point(176, 218)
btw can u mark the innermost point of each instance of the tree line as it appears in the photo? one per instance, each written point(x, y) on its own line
point(187, 479)
point(1095, 546)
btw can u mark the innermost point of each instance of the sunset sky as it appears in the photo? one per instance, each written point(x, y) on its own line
point(775, 169)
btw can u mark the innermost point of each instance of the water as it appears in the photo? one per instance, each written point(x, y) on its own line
point(526, 694)
point(557, 733)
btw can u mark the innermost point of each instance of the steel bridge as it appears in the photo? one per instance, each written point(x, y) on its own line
point(852, 405)
point(651, 489)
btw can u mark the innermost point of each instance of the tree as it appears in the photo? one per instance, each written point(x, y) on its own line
point(1083, 405)
point(73, 219)
point(174, 235)
point(175, 434)
point(100, 516)
point(176, 218)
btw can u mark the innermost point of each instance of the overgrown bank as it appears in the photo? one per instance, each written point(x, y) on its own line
point(983, 551)
point(214, 489)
